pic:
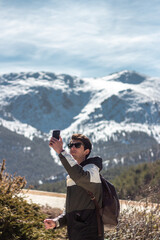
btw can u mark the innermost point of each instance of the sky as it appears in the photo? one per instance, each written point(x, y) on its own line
point(85, 38)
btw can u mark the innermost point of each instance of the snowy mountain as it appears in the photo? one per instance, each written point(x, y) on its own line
point(119, 112)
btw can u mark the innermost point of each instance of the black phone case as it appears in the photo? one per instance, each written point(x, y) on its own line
point(56, 134)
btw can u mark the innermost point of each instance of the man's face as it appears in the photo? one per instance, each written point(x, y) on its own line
point(79, 153)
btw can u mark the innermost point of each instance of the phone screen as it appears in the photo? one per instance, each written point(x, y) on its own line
point(56, 134)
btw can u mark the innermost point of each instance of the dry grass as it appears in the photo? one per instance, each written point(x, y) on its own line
point(51, 212)
point(137, 224)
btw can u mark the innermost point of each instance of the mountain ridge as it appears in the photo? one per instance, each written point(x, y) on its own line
point(119, 112)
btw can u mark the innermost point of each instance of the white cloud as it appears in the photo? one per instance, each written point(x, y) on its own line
point(98, 34)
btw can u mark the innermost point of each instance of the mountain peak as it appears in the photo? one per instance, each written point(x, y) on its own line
point(130, 77)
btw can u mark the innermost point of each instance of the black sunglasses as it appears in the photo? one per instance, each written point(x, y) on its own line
point(77, 145)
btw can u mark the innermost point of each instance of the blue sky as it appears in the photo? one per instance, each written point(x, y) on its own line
point(90, 38)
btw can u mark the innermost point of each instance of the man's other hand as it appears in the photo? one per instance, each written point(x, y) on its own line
point(49, 224)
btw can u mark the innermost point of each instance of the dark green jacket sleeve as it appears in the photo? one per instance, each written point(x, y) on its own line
point(86, 177)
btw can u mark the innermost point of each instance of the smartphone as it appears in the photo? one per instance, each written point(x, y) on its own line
point(56, 134)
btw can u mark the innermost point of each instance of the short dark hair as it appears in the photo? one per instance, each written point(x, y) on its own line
point(85, 140)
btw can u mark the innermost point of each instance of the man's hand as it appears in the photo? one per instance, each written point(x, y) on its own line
point(49, 224)
point(56, 144)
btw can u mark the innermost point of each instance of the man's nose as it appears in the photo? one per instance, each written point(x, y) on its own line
point(73, 146)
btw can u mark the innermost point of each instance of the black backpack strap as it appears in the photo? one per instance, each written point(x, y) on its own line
point(97, 213)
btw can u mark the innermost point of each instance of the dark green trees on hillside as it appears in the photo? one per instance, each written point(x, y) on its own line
point(140, 182)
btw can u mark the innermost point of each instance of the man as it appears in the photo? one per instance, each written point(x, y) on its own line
point(83, 176)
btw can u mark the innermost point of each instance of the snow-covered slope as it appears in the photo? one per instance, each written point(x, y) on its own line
point(41, 100)
point(119, 112)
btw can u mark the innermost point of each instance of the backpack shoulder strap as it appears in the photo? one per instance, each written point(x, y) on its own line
point(99, 222)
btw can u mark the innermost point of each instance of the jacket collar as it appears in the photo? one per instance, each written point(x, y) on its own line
point(95, 160)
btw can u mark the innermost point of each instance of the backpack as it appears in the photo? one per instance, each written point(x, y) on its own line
point(110, 204)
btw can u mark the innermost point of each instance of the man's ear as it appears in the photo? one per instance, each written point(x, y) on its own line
point(87, 151)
